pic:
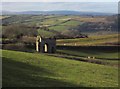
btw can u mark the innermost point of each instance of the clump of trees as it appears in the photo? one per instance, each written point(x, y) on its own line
point(17, 31)
point(18, 37)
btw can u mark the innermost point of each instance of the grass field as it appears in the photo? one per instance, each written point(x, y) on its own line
point(85, 51)
point(21, 69)
point(59, 28)
point(44, 33)
point(62, 23)
point(102, 54)
point(111, 39)
point(72, 23)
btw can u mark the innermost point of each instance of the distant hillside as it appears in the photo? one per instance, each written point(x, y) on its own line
point(65, 25)
point(55, 12)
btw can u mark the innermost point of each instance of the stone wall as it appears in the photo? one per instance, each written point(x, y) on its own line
point(45, 45)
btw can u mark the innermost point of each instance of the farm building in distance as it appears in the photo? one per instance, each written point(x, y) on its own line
point(45, 45)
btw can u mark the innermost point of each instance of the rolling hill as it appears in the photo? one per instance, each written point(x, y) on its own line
point(21, 69)
point(62, 12)
point(63, 24)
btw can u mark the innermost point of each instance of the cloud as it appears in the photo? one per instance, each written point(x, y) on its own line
point(60, 0)
point(50, 6)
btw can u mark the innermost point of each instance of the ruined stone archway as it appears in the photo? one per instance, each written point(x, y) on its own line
point(45, 45)
point(53, 50)
point(46, 48)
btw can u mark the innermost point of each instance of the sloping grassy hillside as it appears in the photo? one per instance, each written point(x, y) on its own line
point(63, 24)
point(33, 69)
point(44, 33)
point(103, 52)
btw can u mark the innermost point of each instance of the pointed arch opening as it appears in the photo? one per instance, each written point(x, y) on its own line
point(46, 48)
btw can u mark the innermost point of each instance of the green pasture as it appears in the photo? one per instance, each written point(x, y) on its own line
point(59, 28)
point(21, 69)
point(105, 54)
point(71, 23)
point(44, 33)
point(52, 21)
point(90, 41)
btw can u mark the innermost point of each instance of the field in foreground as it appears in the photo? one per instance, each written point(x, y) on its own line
point(40, 70)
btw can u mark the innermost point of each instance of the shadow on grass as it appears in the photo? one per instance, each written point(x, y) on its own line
point(18, 74)
point(92, 48)
point(95, 50)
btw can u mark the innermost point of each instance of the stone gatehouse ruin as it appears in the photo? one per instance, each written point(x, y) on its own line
point(45, 45)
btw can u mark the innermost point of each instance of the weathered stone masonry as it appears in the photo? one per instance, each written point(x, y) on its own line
point(45, 45)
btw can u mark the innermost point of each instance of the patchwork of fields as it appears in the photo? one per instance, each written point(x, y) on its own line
point(78, 62)
point(95, 40)
point(63, 23)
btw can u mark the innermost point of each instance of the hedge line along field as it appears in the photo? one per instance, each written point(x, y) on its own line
point(103, 52)
point(108, 55)
point(21, 69)
point(111, 39)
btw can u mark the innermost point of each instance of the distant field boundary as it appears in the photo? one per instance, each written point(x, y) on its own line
point(83, 59)
point(103, 46)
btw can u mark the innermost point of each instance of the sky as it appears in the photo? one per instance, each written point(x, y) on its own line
point(48, 5)
point(59, 0)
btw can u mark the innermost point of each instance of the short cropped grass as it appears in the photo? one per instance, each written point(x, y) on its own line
point(44, 33)
point(91, 41)
point(23, 69)
point(105, 54)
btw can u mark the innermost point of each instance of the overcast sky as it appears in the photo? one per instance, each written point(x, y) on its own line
point(60, 0)
point(109, 7)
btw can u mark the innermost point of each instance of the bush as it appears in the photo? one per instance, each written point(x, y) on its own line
point(17, 31)
point(16, 47)
point(26, 39)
